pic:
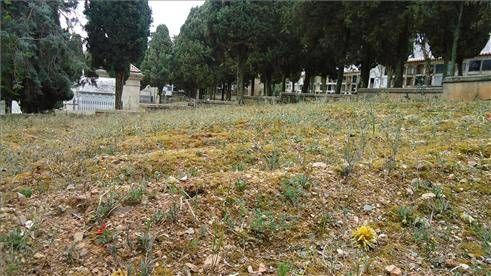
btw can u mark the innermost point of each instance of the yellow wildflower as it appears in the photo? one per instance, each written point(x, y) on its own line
point(365, 237)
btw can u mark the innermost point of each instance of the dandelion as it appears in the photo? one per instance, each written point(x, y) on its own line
point(365, 237)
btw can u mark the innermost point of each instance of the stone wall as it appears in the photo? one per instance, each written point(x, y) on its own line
point(467, 88)
point(402, 93)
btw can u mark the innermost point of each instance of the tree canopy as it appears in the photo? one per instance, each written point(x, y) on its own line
point(40, 60)
point(156, 63)
point(117, 32)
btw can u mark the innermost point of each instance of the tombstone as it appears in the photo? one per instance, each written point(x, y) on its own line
point(131, 89)
point(16, 108)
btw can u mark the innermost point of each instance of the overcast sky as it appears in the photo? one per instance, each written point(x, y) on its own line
point(171, 13)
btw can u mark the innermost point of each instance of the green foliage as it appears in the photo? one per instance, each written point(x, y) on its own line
point(240, 185)
point(273, 160)
point(283, 268)
point(105, 207)
point(156, 63)
point(405, 215)
point(27, 192)
point(40, 60)
point(293, 188)
point(105, 237)
point(439, 23)
point(173, 212)
point(135, 195)
point(117, 36)
point(15, 239)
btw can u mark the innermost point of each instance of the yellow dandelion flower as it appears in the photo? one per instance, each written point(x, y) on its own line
point(365, 237)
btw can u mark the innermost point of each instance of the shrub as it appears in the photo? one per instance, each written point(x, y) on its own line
point(15, 239)
point(292, 189)
point(405, 215)
point(283, 268)
point(27, 192)
point(273, 160)
point(135, 195)
point(105, 207)
point(240, 185)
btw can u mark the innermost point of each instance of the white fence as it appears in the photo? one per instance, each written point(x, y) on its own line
point(91, 102)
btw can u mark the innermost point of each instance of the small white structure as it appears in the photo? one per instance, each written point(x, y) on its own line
point(93, 96)
point(16, 108)
point(149, 94)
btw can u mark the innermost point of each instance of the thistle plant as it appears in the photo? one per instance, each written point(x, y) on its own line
point(365, 237)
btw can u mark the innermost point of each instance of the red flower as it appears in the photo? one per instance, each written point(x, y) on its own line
point(101, 230)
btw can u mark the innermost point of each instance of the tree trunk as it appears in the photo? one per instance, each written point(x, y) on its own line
point(456, 34)
point(240, 80)
point(306, 82)
point(445, 67)
point(312, 84)
point(390, 73)
point(460, 62)
point(324, 84)
point(253, 80)
point(365, 74)
point(118, 103)
point(399, 74)
point(339, 81)
point(229, 91)
point(427, 58)
point(223, 91)
point(283, 85)
point(267, 84)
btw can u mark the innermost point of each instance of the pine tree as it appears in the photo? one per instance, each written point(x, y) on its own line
point(117, 36)
point(40, 60)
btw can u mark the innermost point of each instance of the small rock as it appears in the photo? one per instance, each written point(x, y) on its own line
point(78, 236)
point(211, 261)
point(467, 218)
point(38, 255)
point(262, 268)
point(70, 187)
point(28, 224)
point(341, 252)
point(427, 196)
point(393, 270)
point(409, 191)
point(189, 231)
point(184, 178)
point(320, 165)
point(382, 236)
point(60, 209)
point(250, 270)
point(464, 266)
point(83, 252)
point(21, 196)
point(488, 260)
point(367, 208)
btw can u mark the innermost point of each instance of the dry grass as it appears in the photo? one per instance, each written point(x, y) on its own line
point(245, 184)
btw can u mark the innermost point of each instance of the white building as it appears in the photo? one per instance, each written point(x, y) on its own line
point(98, 95)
